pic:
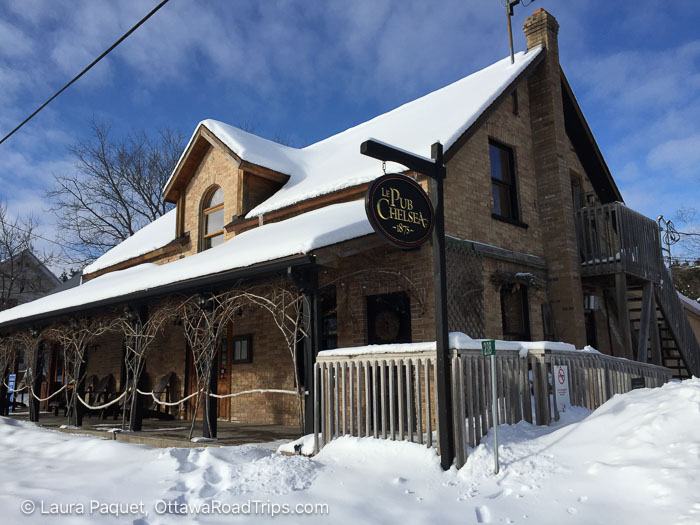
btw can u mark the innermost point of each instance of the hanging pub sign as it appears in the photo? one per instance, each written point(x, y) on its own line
point(399, 209)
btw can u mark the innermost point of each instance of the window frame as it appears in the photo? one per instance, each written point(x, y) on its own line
point(511, 187)
point(524, 298)
point(204, 237)
point(248, 338)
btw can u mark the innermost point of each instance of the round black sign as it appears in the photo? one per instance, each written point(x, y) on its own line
point(399, 209)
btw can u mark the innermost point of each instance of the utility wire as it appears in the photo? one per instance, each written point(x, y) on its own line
point(124, 37)
point(32, 234)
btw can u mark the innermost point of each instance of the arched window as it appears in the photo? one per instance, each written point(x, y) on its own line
point(212, 230)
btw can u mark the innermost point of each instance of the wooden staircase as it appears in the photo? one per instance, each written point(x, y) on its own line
point(681, 358)
point(614, 240)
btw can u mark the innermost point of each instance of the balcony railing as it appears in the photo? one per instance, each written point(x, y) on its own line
point(612, 238)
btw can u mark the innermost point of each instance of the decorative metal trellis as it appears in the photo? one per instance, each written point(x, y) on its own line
point(465, 288)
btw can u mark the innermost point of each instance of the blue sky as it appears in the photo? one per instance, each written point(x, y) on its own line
point(308, 69)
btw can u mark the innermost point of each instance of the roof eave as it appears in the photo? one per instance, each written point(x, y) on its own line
point(484, 116)
point(256, 271)
point(605, 186)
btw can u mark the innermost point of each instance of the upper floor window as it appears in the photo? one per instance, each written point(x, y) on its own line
point(212, 230)
point(505, 202)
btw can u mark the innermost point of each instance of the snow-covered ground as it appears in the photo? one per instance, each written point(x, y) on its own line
point(635, 460)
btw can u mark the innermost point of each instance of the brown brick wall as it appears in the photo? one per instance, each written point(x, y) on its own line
point(468, 191)
point(106, 357)
point(383, 269)
point(167, 353)
point(271, 367)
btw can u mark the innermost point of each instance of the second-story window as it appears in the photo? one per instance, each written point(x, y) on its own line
point(505, 202)
point(213, 219)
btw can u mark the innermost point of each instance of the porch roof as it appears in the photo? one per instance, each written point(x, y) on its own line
point(271, 242)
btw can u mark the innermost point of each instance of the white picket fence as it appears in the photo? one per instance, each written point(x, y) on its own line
point(392, 396)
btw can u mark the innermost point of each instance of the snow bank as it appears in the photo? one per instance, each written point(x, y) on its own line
point(634, 460)
point(151, 237)
point(299, 235)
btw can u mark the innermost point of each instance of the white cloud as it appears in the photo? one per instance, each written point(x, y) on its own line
point(680, 155)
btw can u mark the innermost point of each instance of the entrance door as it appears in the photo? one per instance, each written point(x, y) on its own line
point(224, 375)
point(222, 370)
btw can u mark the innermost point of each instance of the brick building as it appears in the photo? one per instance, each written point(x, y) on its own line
point(540, 245)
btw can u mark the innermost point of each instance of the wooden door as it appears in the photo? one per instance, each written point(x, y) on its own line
point(222, 370)
point(224, 375)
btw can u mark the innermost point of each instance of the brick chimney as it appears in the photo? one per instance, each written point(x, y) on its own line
point(550, 148)
point(542, 28)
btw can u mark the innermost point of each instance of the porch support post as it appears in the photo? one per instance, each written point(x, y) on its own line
point(623, 314)
point(210, 404)
point(3, 392)
point(307, 284)
point(644, 321)
point(136, 412)
point(76, 416)
point(36, 381)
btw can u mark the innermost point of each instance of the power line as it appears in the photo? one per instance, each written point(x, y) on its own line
point(124, 37)
point(32, 234)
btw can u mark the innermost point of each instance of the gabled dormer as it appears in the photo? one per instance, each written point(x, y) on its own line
point(213, 185)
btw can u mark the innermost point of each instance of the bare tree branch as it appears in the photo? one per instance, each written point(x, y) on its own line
point(115, 189)
point(18, 272)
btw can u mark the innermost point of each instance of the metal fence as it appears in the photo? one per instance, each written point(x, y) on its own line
point(392, 396)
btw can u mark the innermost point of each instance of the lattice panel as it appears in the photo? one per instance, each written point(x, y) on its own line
point(465, 289)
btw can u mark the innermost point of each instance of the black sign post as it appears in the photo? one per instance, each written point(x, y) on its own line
point(435, 169)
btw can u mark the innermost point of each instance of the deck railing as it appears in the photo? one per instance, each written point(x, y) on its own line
point(392, 396)
point(613, 238)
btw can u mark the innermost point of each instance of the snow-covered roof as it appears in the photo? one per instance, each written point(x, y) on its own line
point(688, 303)
point(151, 237)
point(298, 235)
point(335, 163)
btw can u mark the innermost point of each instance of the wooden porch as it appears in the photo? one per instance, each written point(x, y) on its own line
point(620, 251)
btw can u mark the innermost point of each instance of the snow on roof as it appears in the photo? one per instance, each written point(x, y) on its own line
point(458, 341)
point(151, 237)
point(298, 235)
point(689, 304)
point(335, 163)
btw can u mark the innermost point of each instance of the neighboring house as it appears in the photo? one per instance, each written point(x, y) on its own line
point(24, 278)
point(540, 245)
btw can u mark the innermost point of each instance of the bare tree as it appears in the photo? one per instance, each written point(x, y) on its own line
point(689, 226)
point(115, 189)
point(20, 272)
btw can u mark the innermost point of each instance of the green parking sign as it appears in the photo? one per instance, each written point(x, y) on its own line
point(488, 347)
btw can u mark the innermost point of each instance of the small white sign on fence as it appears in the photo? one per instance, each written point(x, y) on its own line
point(561, 387)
